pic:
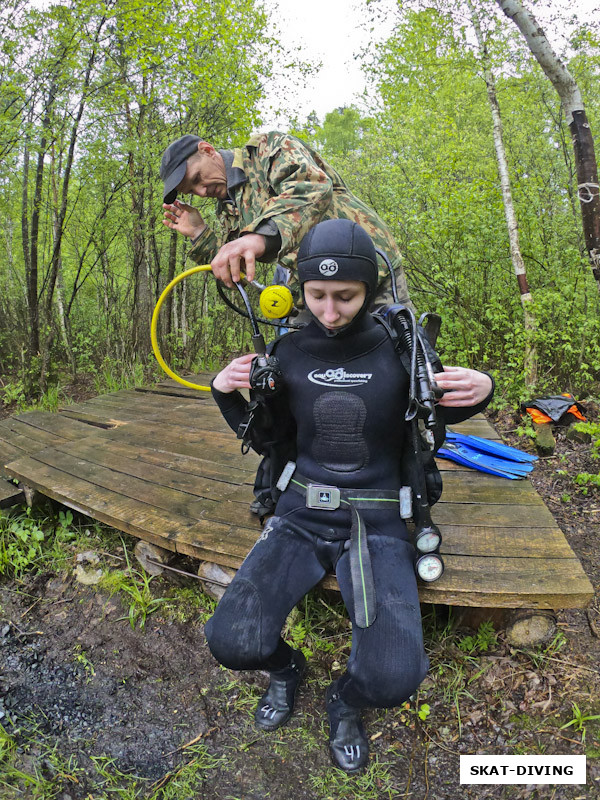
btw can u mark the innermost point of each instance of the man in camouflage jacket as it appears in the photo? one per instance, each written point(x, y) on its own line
point(269, 193)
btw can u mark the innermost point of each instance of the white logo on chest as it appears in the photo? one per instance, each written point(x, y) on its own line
point(339, 377)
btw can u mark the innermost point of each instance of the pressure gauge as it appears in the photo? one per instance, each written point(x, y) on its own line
point(428, 540)
point(430, 567)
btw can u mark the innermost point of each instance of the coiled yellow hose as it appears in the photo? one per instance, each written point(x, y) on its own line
point(154, 324)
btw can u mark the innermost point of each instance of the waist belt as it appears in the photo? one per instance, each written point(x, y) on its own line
point(330, 498)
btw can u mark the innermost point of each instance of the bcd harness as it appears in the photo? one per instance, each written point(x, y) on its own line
point(420, 473)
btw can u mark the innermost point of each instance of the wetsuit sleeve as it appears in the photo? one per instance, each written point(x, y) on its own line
point(232, 406)
point(452, 416)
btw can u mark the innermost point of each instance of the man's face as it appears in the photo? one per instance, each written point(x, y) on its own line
point(334, 303)
point(205, 174)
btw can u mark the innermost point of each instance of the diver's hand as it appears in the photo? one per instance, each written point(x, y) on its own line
point(238, 256)
point(184, 219)
point(236, 375)
point(463, 387)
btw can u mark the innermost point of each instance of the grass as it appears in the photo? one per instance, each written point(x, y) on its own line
point(375, 783)
point(580, 721)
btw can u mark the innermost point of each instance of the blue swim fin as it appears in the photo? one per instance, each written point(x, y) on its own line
point(491, 447)
point(475, 459)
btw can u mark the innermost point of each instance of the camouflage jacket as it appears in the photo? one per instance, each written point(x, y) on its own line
point(281, 180)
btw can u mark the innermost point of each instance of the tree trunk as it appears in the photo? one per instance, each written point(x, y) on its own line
point(583, 142)
point(530, 356)
point(32, 248)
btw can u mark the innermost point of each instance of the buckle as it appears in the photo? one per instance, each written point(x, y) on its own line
point(286, 476)
point(318, 496)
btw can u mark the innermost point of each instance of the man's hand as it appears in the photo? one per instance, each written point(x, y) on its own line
point(183, 218)
point(236, 375)
point(463, 387)
point(238, 256)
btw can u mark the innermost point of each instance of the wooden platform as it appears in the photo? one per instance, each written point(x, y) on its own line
point(161, 464)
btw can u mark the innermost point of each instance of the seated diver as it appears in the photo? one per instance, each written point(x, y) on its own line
point(345, 395)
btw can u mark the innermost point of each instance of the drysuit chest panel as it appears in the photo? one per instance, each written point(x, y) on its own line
point(339, 444)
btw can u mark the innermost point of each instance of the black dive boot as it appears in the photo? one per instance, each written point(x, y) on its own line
point(276, 705)
point(348, 745)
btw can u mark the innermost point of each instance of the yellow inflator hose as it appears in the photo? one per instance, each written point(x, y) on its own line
point(168, 289)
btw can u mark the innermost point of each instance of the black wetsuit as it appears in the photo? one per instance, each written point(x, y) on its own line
point(347, 396)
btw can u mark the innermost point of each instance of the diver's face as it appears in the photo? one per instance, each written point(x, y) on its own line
point(334, 303)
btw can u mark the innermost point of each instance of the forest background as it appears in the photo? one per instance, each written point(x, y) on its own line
point(91, 93)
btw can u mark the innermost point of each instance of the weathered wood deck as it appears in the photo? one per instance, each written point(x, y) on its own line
point(160, 464)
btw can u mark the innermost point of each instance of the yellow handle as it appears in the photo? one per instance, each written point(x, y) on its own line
point(168, 289)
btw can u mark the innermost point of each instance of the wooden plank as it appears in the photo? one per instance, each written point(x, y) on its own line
point(28, 444)
point(222, 448)
point(473, 540)
point(189, 414)
point(134, 517)
point(182, 391)
point(55, 423)
point(103, 415)
point(44, 437)
point(117, 403)
point(201, 378)
point(467, 486)
point(119, 459)
point(209, 420)
point(9, 452)
point(190, 465)
point(497, 516)
point(134, 396)
point(98, 421)
point(562, 584)
point(160, 497)
point(476, 426)
point(511, 583)
point(10, 494)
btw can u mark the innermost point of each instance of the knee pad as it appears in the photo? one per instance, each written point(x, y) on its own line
point(234, 632)
point(390, 661)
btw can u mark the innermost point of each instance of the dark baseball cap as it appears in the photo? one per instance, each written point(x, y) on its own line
point(173, 164)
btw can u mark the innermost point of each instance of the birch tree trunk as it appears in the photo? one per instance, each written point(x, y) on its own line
point(574, 110)
point(530, 356)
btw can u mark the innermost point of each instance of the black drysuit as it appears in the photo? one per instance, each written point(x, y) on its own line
point(346, 396)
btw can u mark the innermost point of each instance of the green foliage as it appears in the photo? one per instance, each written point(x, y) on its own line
point(318, 625)
point(541, 655)
point(135, 585)
point(114, 375)
point(580, 721)
point(425, 160)
point(589, 479)
point(95, 239)
point(21, 538)
point(32, 539)
point(484, 640)
point(7, 744)
point(13, 393)
point(82, 659)
point(374, 783)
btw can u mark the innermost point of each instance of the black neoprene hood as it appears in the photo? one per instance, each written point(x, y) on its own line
point(339, 250)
